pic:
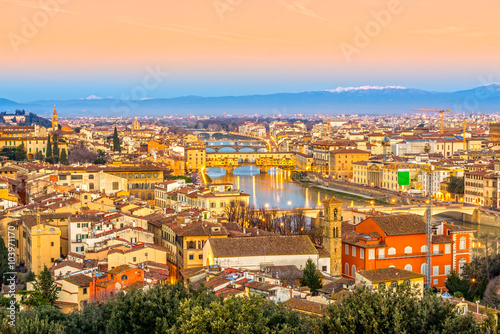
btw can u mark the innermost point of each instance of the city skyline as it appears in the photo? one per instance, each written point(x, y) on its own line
point(221, 48)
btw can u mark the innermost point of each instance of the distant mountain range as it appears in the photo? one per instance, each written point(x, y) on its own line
point(342, 100)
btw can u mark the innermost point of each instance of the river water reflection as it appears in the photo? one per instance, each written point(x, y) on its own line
point(277, 190)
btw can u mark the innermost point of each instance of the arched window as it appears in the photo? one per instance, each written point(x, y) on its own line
point(353, 271)
point(391, 251)
point(461, 264)
point(408, 267)
point(124, 277)
point(381, 286)
point(408, 250)
point(423, 249)
point(463, 242)
point(394, 284)
point(52, 229)
point(149, 196)
point(143, 196)
point(91, 177)
point(85, 197)
point(423, 268)
point(91, 186)
point(346, 268)
point(191, 244)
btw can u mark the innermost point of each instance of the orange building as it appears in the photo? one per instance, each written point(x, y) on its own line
point(105, 287)
point(400, 241)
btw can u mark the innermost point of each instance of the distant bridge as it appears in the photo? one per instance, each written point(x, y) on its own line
point(262, 160)
point(450, 210)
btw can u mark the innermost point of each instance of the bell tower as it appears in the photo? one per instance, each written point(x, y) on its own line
point(332, 234)
point(55, 122)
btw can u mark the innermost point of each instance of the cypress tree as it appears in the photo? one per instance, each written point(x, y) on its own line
point(116, 142)
point(64, 157)
point(48, 151)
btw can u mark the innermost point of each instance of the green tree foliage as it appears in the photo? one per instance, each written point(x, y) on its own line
point(38, 156)
point(177, 309)
point(33, 299)
point(116, 141)
point(311, 278)
point(48, 150)
point(21, 153)
point(397, 310)
point(63, 159)
point(45, 285)
point(30, 277)
point(55, 150)
point(182, 177)
point(456, 185)
point(4, 261)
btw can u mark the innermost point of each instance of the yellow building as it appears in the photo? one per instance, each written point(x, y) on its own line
point(196, 156)
point(191, 239)
point(36, 248)
point(138, 254)
point(341, 162)
point(74, 292)
point(390, 278)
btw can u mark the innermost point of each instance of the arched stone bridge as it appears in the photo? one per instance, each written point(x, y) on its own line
point(237, 148)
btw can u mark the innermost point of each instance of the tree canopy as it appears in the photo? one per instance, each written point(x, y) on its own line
point(311, 278)
point(177, 309)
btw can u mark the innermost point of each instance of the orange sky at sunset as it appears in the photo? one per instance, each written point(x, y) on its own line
point(258, 46)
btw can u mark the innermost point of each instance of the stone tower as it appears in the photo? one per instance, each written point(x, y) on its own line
point(55, 122)
point(332, 234)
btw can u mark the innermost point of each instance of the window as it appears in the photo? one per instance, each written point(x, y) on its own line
point(155, 175)
point(324, 268)
point(447, 269)
point(347, 249)
point(423, 268)
point(77, 226)
point(354, 251)
point(371, 254)
point(406, 282)
point(346, 268)
point(353, 271)
point(408, 267)
point(52, 244)
point(435, 270)
point(461, 264)
point(84, 291)
point(463, 241)
point(391, 251)
point(381, 286)
point(394, 284)
point(91, 177)
point(191, 256)
point(435, 249)
point(381, 253)
point(423, 249)
point(91, 186)
point(362, 253)
point(134, 259)
point(62, 177)
point(51, 259)
point(200, 256)
point(115, 185)
point(408, 250)
point(77, 177)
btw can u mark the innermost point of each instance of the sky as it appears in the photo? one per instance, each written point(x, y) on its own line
point(68, 49)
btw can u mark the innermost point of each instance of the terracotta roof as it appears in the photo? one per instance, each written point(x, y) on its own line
point(441, 239)
point(400, 224)
point(262, 246)
point(388, 274)
point(305, 306)
point(80, 280)
point(119, 269)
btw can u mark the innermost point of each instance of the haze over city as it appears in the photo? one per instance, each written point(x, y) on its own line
point(264, 166)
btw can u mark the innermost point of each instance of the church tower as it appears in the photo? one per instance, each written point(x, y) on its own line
point(332, 234)
point(55, 122)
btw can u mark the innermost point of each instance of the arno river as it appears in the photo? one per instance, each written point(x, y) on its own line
point(276, 189)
